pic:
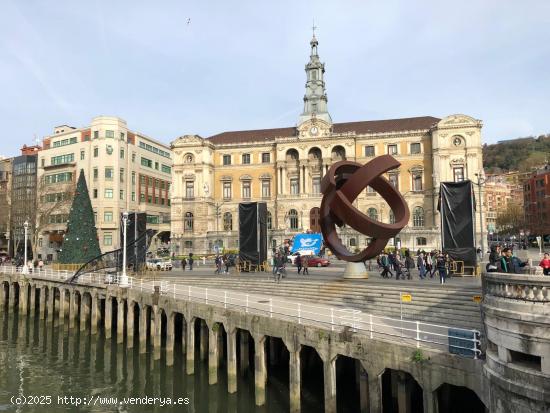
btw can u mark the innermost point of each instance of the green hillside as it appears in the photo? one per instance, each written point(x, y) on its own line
point(521, 154)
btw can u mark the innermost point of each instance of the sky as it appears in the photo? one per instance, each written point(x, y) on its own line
point(171, 68)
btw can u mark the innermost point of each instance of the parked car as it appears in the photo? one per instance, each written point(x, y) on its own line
point(159, 265)
point(316, 261)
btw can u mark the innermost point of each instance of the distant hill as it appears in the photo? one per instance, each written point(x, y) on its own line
point(521, 154)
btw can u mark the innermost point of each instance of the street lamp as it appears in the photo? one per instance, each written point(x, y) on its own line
point(25, 269)
point(123, 282)
point(480, 181)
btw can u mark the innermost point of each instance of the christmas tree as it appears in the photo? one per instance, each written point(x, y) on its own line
point(80, 243)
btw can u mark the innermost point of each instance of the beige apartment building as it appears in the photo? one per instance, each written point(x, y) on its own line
point(500, 191)
point(125, 171)
point(284, 167)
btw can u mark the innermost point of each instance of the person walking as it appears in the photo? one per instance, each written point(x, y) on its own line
point(183, 263)
point(190, 261)
point(409, 263)
point(227, 263)
point(545, 264)
point(305, 266)
point(421, 264)
point(385, 264)
point(278, 267)
point(218, 264)
point(298, 262)
point(441, 265)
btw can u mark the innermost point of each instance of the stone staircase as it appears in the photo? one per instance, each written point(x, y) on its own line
point(442, 305)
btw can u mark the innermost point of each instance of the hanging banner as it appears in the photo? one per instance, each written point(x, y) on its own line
point(307, 244)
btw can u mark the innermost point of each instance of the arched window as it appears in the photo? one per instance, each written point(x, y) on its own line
point(314, 219)
point(421, 241)
point(352, 242)
point(293, 219)
point(269, 220)
point(418, 217)
point(188, 222)
point(227, 221)
point(372, 213)
point(292, 155)
point(338, 153)
point(392, 217)
point(188, 158)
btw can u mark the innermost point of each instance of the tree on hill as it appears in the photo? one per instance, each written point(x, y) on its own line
point(517, 154)
point(80, 243)
point(510, 221)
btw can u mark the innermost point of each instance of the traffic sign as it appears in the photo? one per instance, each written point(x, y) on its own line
point(406, 298)
point(477, 298)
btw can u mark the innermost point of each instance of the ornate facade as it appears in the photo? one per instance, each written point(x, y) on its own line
point(283, 167)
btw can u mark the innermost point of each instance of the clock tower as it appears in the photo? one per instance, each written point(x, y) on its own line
point(315, 99)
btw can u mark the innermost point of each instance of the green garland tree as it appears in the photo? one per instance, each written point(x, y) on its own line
point(80, 243)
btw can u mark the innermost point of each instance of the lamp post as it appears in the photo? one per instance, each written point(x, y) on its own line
point(25, 269)
point(123, 282)
point(480, 181)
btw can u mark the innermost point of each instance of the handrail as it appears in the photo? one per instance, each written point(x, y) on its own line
point(453, 339)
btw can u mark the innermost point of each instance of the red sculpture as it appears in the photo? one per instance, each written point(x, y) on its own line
point(341, 185)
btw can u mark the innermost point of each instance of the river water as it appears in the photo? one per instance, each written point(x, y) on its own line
point(43, 365)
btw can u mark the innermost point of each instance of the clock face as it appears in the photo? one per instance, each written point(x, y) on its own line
point(314, 130)
point(457, 141)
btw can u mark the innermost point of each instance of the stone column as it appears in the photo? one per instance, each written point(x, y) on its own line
point(32, 300)
point(42, 303)
point(51, 300)
point(190, 351)
point(329, 369)
point(120, 321)
point(143, 329)
point(273, 352)
point(245, 357)
point(94, 313)
point(84, 311)
point(260, 371)
point(170, 339)
point(213, 356)
point(157, 332)
point(11, 297)
point(23, 298)
point(294, 380)
point(375, 392)
point(73, 308)
point(362, 379)
point(2, 296)
point(130, 325)
point(403, 393)
point(61, 306)
point(203, 349)
point(108, 316)
point(429, 401)
point(232, 360)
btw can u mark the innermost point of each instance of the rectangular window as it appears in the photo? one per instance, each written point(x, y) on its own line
point(246, 189)
point(266, 189)
point(43, 162)
point(109, 133)
point(150, 199)
point(108, 216)
point(96, 152)
point(294, 188)
point(157, 166)
point(133, 178)
point(122, 154)
point(96, 174)
point(246, 158)
point(266, 157)
point(458, 174)
point(392, 149)
point(189, 189)
point(142, 198)
point(95, 193)
point(133, 157)
point(415, 148)
point(394, 180)
point(316, 185)
point(108, 193)
point(227, 190)
point(109, 174)
point(57, 178)
point(146, 162)
point(62, 159)
point(121, 195)
point(369, 150)
point(166, 169)
point(121, 174)
point(82, 155)
point(96, 134)
point(417, 181)
point(121, 136)
point(133, 196)
point(226, 159)
point(108, 239)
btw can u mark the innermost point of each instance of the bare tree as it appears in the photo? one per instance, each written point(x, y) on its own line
point(511, 220)
point(52, 200)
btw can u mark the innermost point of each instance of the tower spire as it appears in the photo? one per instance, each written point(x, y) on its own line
point(315, 98)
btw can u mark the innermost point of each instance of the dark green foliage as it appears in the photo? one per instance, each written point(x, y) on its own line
point(80, 243)
point(521, 154)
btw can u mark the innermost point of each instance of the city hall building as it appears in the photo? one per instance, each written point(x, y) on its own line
point(283, 167)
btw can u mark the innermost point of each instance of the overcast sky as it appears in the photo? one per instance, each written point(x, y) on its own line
point(240, 64)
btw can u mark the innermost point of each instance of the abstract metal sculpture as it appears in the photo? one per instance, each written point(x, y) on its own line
point(341, 185)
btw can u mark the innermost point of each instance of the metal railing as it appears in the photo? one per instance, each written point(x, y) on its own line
point(465, 342)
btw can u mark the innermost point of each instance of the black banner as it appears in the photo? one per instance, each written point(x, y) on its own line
point(253, 232)
point(456, 207)
point(137, 227)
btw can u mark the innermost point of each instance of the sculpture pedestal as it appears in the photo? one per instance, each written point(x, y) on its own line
point(356, 270)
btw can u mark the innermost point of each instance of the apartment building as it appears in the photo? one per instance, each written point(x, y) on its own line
point(125, 171)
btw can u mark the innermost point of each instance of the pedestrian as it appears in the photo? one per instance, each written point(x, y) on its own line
point(441, 265)
point(183, 263)
point(40, 264)
point(510, 263)
point(385, 263)
point(298, 262)
point(305, 265)
point(409, 263)
point(227, 263)
point(421, 264)
point(545, 264)
point(279, 264)
point(217, 263)
point(190, 261)
point(479, 254)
